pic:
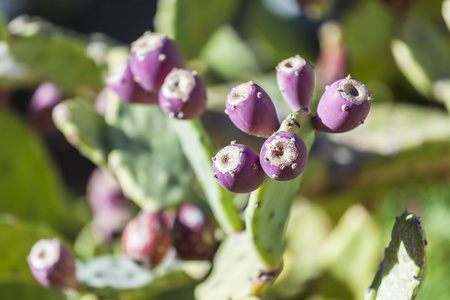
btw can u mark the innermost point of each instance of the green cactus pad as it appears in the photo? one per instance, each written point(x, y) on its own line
point(199, 150)
point(401, 272)
point(268, 209)
point(37, 198)
point(17, 238)
point(136, 142)
point(53, 50)
point(112, 274)
point(179, 20)
point(237, 272)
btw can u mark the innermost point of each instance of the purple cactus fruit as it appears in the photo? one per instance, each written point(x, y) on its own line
point(343, 106)
point(53, 265)
point(193, 234)
point(122, 82)
point(283, 156)
point(153, 56)
point(237, 169)
point(251, 110)
point(111, 210)
point(146, 239)
point(183, 95)
point(46, 96)
point(295, 78)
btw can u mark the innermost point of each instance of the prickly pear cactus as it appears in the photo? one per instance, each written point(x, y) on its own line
point(136, 142)
point(401, 272)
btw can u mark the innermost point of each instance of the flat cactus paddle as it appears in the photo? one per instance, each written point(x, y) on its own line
point(401, 272)
point(237, 272)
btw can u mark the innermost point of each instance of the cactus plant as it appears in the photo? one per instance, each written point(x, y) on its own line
point(161, 157)
point(193, 234)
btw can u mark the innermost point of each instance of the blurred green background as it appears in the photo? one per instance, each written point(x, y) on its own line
point(355, 184)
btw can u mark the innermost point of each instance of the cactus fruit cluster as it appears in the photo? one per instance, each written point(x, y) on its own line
point(146, 119)
point(155, 73)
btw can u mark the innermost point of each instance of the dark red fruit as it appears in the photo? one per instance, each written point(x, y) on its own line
point(193, 234)
point(146, 239)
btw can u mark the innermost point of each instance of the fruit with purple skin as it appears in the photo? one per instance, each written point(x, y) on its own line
point(183, 95)
point(111, 210)
point(153, 56)
point(343, 106)
point(295, 78)
point(46, 96)
point(146, 239)
point(283, 156)
point(237, 169)
point(122, 82)
point(193, 234)
point(251, 110)
point(53, 265)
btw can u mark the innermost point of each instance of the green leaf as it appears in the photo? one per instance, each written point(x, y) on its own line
point(191, 23)
point(199, 150)
point(17, 238)
point(237, 272)
point(401, 272)
point(53, 54)
point(30, 187)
